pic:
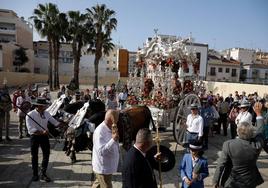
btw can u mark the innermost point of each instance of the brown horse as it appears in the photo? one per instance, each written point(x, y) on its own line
point(130, 121)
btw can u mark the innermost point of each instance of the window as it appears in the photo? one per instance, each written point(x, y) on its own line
point(113, 68)
point(114, 62)
point(107, 62)
point(219, 69)
point(107, 68)
point(233, 73)
point(213, 71)
point(227, 70)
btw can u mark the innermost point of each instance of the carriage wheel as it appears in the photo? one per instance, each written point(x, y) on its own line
point(182, 111)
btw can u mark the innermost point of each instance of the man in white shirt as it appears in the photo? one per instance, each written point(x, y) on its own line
point(244, 115)
point(105, 156)
point(122, 97)
point(194, 125)
point(21, 112)
point(36, 122)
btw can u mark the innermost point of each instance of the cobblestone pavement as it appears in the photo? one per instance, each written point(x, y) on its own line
point(15, 163)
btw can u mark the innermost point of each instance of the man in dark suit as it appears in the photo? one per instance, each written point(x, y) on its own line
point(137, 172)
point(239, 156)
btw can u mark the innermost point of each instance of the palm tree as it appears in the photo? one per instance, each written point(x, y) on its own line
point(77, 35)
point(43, 21)
point(103, 22)
point(60, 32)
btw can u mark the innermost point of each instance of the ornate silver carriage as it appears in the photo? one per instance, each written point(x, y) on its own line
point(166, 79)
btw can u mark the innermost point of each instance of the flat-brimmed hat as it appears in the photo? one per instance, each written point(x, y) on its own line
point(194, 106)
point(196, 146)
point(245, 104)
point(40, 101)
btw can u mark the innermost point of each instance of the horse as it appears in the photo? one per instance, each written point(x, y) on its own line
point(130, 121)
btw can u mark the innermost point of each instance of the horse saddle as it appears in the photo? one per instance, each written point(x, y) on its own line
point(79, 116)
point(53, 109)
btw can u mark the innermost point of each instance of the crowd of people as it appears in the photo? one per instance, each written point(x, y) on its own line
point(245, 115)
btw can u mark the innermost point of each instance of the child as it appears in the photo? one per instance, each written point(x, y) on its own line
point(194, 167)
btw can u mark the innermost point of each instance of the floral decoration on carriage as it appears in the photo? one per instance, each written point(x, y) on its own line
point(167, 69)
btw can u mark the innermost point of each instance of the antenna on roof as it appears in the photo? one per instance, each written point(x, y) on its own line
point(156, 32)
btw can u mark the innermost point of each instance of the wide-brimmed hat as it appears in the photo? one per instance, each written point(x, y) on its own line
point(245, 104)
point(77, 93)
point(194, 106)
point(40, 101)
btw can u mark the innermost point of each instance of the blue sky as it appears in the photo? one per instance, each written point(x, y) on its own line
point(220, 23)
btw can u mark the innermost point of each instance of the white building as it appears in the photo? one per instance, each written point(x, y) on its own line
point(201, 51)
point(245, 56)
point(66, 61)
point(222, 69)
point(255, 73)
point(132, 61)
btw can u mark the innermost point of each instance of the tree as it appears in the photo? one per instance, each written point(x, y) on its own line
point(77, 34)
point(103, 22)
point(59, 34)
point(44, 16)
point(20, 58)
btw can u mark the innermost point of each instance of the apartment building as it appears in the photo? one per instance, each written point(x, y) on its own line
point(41, 58)
point(66, 61)
point(15, 32)
point(220, 68)
point(245, 56)
point(123, 59)
point(132, 56)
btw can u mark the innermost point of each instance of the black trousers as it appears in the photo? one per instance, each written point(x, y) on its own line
point(233, 128)
point(222, 120)
point(43, 142)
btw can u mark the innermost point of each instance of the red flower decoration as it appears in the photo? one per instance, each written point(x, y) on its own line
point(169, 61)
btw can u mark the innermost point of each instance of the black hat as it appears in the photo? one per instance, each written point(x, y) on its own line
point(196, 146)
point(77, 93)
point(40, 101)
point(168, 158)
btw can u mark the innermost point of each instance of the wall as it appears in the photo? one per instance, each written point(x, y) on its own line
point(224, 88)
point(16, 79)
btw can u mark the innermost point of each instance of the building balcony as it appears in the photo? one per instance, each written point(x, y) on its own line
point(7, 32)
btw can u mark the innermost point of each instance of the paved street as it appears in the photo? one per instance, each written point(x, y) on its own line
point(15, 163)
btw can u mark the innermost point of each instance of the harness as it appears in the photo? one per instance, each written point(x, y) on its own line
point(124, 121)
